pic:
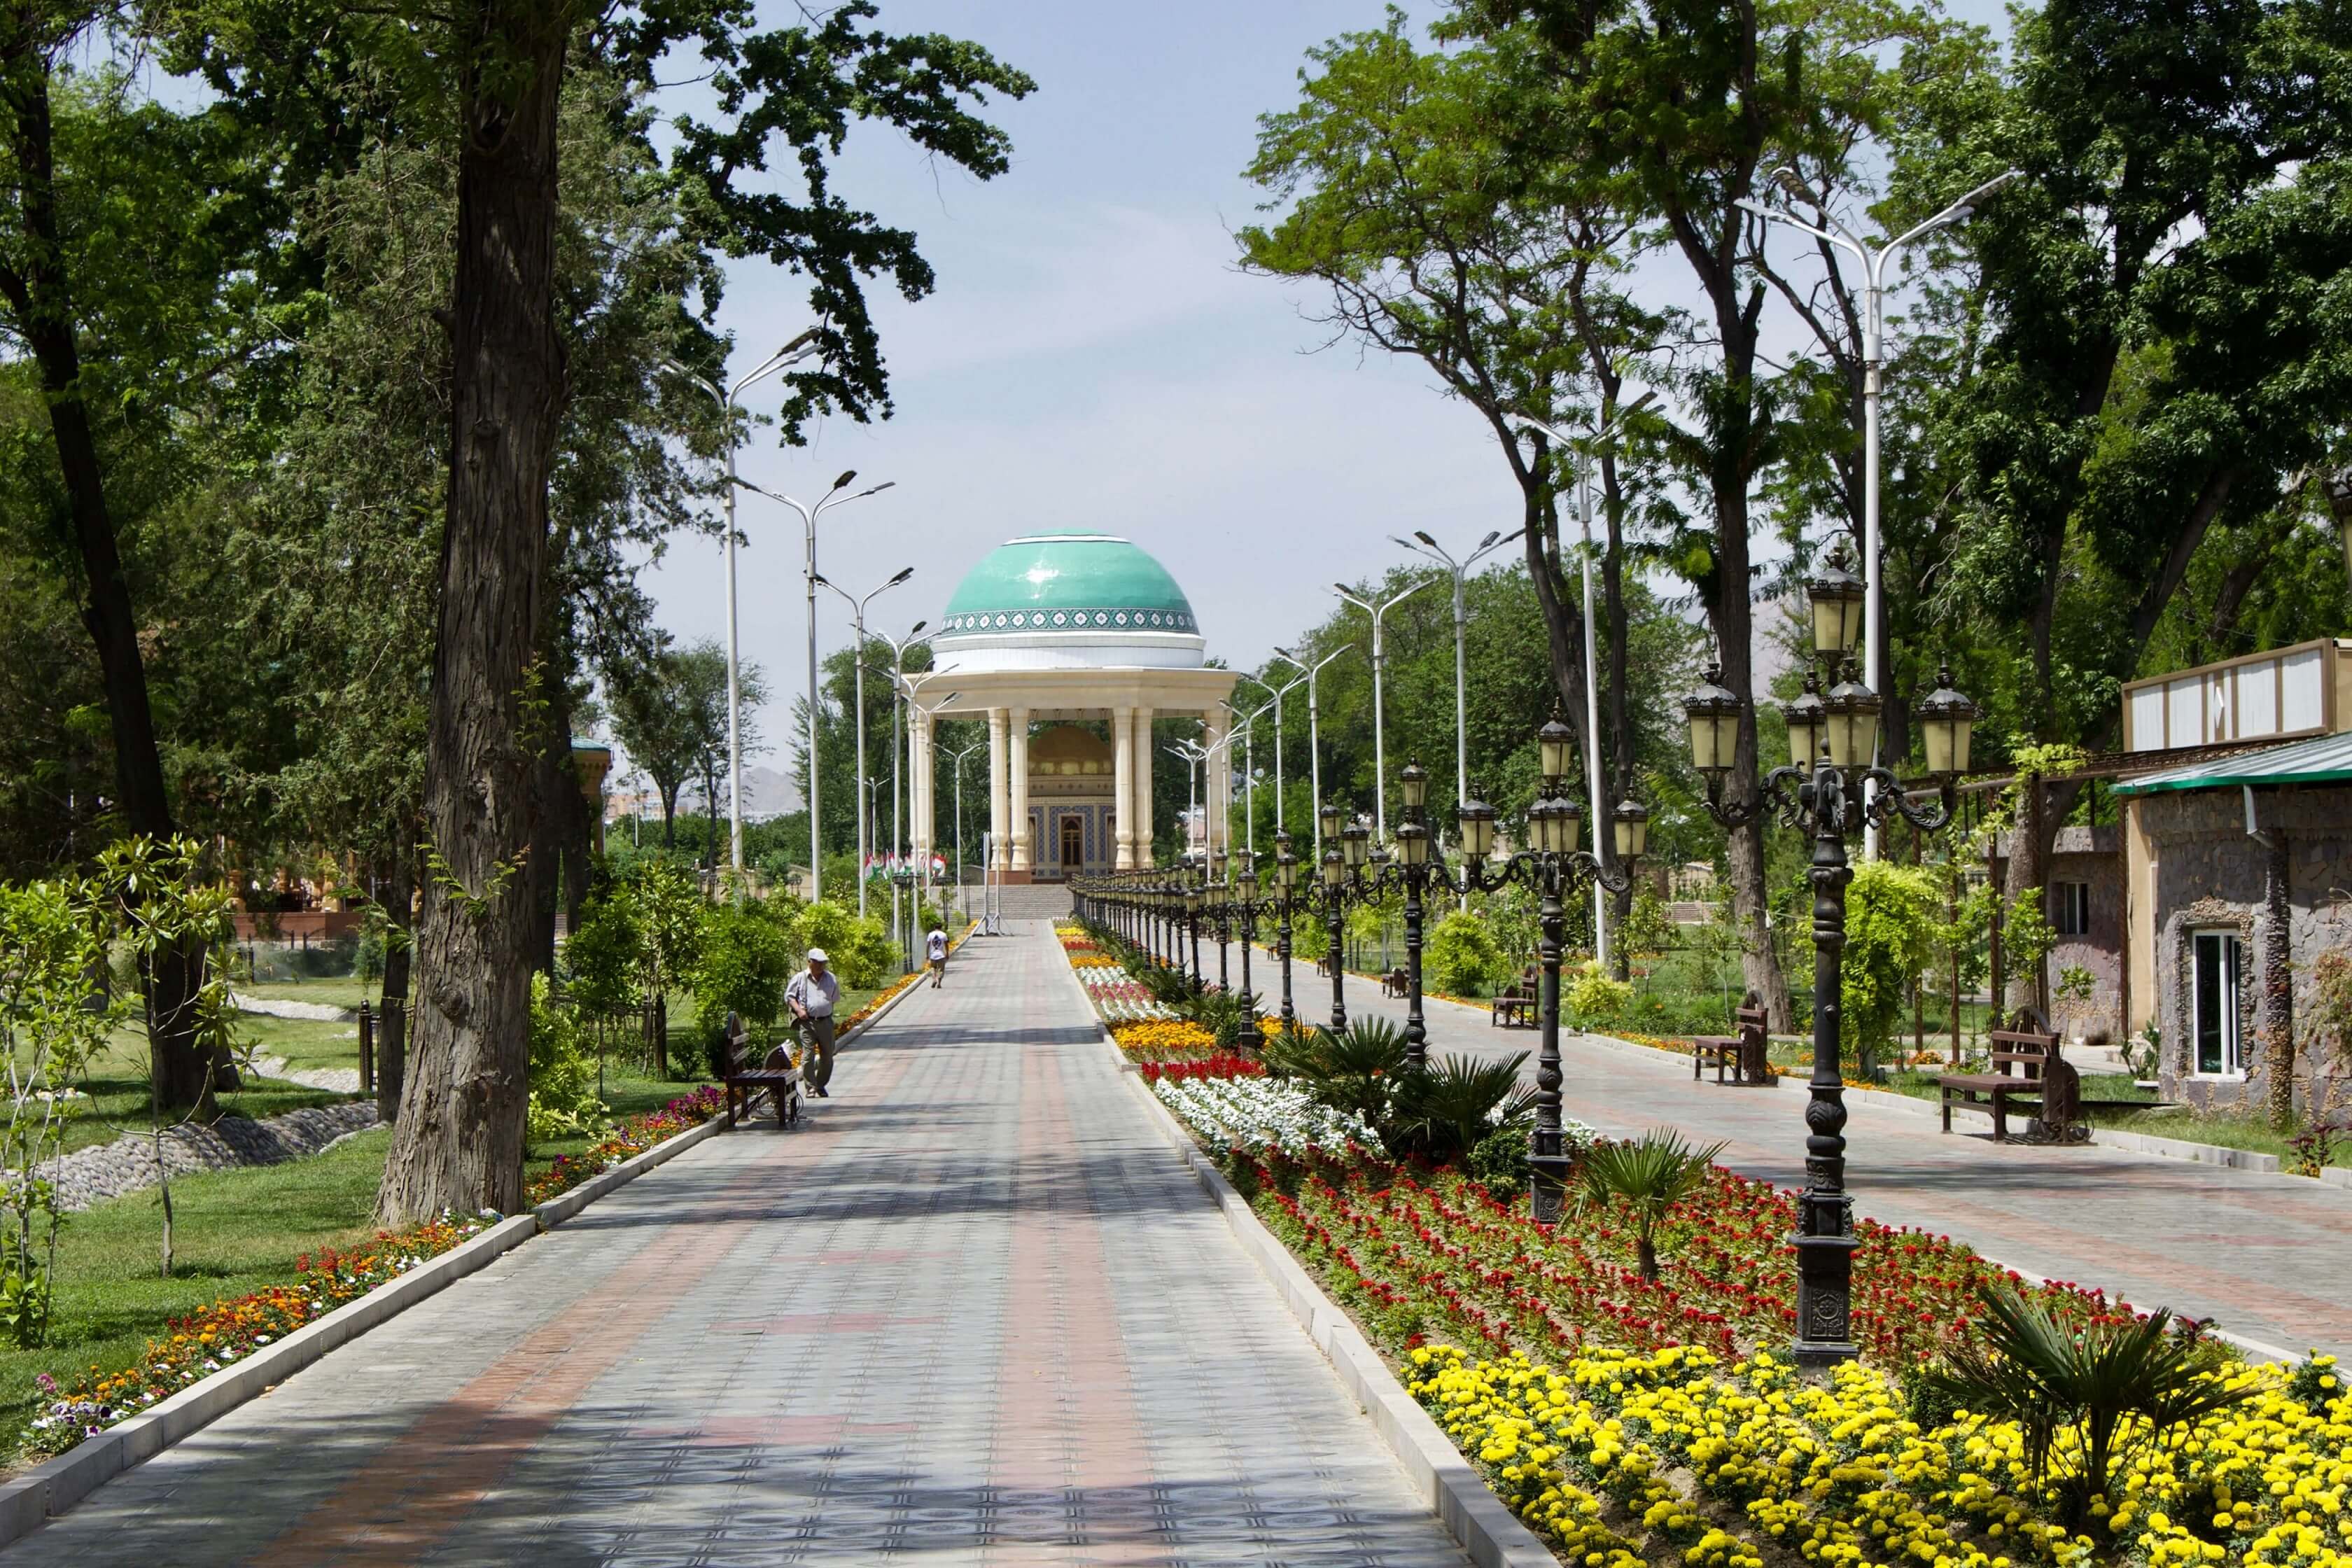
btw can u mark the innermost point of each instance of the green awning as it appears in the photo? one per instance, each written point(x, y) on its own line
point(2323, 760)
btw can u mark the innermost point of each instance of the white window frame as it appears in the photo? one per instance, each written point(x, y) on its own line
point(2064, 895)
point(2233, 1046)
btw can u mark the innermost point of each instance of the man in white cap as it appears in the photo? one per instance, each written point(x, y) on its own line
point(810, 996)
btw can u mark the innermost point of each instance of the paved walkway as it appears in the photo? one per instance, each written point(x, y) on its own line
point(978, 1313)
point(2269, 1257)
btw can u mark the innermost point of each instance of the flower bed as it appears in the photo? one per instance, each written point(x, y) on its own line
point(1221, 1064)
point(1617, 1456)
point(231, 1330)
point(1422, 1253)
point(627, 1139)
point(1262, 1115)
point(1163, 1040)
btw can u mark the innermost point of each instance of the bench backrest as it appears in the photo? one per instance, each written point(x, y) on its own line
point(1749, 1018)
point(737, 1037)
point(2028, 1049)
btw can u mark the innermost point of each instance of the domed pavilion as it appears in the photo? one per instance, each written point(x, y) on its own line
point(1048, 637)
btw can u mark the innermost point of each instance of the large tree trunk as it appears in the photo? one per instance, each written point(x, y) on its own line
point(40, 300)
point(399, 895)
point(2278, 980)
point(459, 1143)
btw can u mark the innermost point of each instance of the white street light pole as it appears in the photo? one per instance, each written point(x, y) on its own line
point(1247, 728)
point(1379, 729)
point(1193, 753)
point(1314, 737)
point(792, 354)
point(1423, 544)
point(1591, 444)
point(1873, 266)
point(901, 692)
point(809, 514)
point(857, 625)
point(923, 867)
point(1281, 789)
point(958, 759)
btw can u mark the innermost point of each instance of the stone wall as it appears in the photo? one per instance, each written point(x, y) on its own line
point(2210, 874)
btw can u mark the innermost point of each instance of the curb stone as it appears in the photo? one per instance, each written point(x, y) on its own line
point(1464, 1504)
point(29, 1500)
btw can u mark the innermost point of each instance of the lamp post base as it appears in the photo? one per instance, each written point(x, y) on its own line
point(1824, 1286)
point(1547, 1188)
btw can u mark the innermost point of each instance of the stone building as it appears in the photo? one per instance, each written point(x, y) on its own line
point(1054, 637)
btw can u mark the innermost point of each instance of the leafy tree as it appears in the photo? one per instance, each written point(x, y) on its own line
point(491, 77)
point(48, 1035)
point(670, 715)
point(1463, 955)
point(1893, 914)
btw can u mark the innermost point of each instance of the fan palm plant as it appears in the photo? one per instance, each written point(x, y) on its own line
point(2115, 1387)
point(1356, 1068)
point(1650, 1175)
point(1444, 1110)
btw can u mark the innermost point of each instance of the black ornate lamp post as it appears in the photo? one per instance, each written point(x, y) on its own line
point(1334, 894)
point(1554, 866)
point(1285, 888)
point(1414, 860)
point(1219, 896)
point(1246, 906)
point(1193, 923)
point(1827, 792)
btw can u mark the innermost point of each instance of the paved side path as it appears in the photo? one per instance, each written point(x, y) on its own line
point(978, 1313)
point(2269, 1257)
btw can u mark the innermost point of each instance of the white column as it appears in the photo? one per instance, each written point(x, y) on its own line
point(1144, 786)
point(919, 781)
point(1213, 794)
point(999, 815)
point(1122, 789)
point(1016, 748)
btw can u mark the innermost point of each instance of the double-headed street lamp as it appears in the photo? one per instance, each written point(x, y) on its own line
point(1314, 732)
point(802, 347)
point(1829, 789)
point(1378, 612)
point(858, 626)
point(836, 496)
point(1423, 544)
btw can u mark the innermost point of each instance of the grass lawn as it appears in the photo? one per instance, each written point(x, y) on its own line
point(233, 1232)
point(342, 992)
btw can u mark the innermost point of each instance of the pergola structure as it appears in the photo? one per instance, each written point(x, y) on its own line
point(1070, 644)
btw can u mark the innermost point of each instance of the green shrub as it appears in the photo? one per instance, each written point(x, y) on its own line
point(747, 957)
point(861, 950)
point(1499, 1163)
point(1450, 1107)
point(1596, 1001)
point(605, 958)
point(1462, 957)
point(562, 1070)
point(1356, 1069)
point(1892, 922)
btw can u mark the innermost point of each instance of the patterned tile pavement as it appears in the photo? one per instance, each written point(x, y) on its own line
point(2269, 1257)
point(975, 1313)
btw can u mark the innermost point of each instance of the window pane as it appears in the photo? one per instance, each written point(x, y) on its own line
point(2207, 986)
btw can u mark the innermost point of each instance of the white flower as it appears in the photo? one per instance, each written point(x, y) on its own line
point(1256, 1112)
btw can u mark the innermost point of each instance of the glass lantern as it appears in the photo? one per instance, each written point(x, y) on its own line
point(1945, 722)
point(1554, 743)
point(1477, 820)
point(1838, 598)
point(1415, 782)
point(1412, 843)
point(1808, 724)
point(1633, 821)
point(1851, 711)
point(1356, 842)
point(1714, 714)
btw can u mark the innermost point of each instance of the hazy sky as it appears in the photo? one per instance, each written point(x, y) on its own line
point(1093, 358)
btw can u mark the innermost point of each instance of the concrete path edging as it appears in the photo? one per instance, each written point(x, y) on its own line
point(1467, 1507)
point(31, 1500)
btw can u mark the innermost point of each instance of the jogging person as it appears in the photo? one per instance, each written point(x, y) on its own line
point(810, 996)
point(935, 945)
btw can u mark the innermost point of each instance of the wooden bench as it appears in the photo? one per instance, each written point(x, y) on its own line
point(1394, 983)
point(2040, 1074)
point(1513, 1008)
point(743, 1082)
point(1741, 1054)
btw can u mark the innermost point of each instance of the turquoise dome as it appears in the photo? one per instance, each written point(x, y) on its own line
point(1068, 582)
